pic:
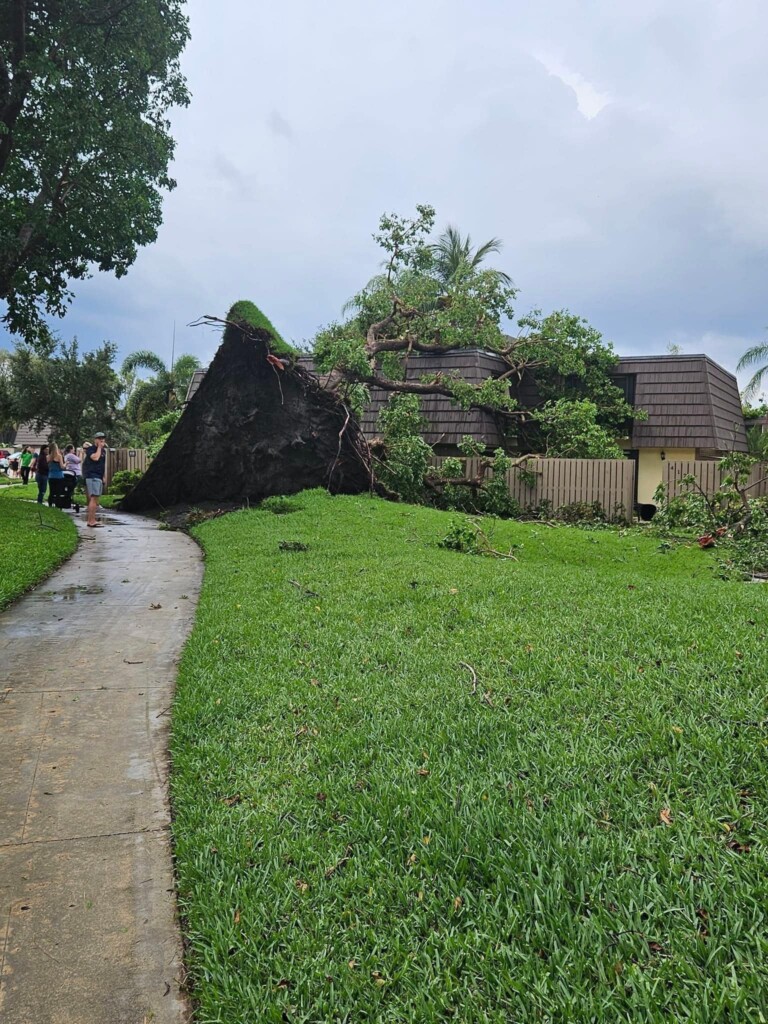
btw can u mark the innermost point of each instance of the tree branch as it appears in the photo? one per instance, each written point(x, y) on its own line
point(413, 387)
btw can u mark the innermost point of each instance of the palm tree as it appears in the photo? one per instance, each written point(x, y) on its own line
point(453, 258)
point(454, 255)
point(164, 392)
point(756, 354)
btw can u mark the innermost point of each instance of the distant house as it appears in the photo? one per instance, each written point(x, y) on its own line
point(25, 434)
point(693, 406)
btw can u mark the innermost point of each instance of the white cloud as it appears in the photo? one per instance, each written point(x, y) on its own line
point(589, 100)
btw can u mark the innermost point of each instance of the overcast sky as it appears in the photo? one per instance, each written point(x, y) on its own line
point(619, 150)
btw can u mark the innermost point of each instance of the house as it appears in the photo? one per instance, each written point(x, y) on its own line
point(693, 407)
point(446, 422)
point(694, 412)
point(25, 434)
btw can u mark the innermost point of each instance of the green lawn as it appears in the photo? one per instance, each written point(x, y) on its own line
point(31, 547)
point(361, 837)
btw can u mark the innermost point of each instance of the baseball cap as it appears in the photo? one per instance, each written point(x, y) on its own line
point(100, 434)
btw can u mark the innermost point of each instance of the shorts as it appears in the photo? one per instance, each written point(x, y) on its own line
point(94, 486)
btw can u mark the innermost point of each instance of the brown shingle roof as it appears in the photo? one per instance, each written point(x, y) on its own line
point(691, 402)
point(26, 434)
point(447, 422)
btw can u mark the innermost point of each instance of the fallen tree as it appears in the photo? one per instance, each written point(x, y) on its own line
point(258, 425)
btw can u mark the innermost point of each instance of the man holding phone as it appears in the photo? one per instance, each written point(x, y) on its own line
point(94, 465)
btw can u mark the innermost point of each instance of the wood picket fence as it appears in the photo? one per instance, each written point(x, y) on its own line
point(610, 482)
point(709, 477)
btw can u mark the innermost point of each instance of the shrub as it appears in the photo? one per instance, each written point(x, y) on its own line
point(462, 536)
point(124, 480)
point(572, 431)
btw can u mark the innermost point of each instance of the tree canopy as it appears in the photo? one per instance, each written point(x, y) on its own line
point(85, 144)
point(437, 297)
point(74, 394)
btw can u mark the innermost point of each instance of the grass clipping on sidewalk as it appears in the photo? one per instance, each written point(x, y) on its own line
point(412, 784)
point(34, 540)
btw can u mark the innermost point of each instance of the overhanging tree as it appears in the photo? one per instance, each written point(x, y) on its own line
point(85, 145)
point(417, 306)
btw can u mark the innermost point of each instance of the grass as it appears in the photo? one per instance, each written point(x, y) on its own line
point(362, 835)
point(30, 551)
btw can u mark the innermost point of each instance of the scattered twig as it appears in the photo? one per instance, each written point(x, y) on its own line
point(472, 673)
point(46, 526)
point(303, 589)
point(340, 863)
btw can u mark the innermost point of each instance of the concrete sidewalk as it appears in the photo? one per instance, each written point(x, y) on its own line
point(87, 666)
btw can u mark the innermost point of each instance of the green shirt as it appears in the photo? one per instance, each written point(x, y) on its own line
point(26, 458)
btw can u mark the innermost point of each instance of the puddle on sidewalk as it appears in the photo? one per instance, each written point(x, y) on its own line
point(70, 593)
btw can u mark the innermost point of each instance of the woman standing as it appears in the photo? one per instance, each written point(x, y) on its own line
point(27, 455)
point(72, 461)
point(55, 473)
point(40, 466)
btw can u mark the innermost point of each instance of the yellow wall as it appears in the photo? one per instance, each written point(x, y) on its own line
point(650, 468)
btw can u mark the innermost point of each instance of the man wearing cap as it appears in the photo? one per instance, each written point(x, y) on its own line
point(94, 464)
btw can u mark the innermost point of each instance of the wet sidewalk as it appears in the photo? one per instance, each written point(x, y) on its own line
point(87, 667)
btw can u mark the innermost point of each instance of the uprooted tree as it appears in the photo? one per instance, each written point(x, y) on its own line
point(278, 429)
point(258, 425)
point(434, 298)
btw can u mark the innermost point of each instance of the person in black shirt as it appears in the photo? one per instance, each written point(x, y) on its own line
point(94, 464)
point(40, 466)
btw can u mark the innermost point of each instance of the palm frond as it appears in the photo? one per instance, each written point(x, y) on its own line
point(492, 245)
point(147, 401)
point(757, 353)
point(143, 359)
point(755, 383)
point(453, 253)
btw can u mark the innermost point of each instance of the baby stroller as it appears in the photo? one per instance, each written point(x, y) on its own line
point(63, 497)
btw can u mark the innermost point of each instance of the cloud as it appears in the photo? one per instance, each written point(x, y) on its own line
point(588, 99)
point(623, 167)
point(279, 126)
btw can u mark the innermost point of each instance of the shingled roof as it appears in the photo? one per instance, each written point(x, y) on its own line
point(26, 433)
point(691, 402)
point(447, 421)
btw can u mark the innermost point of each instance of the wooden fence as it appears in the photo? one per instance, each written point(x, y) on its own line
point(708, 476)
point(611, 482)
point(125, 458)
